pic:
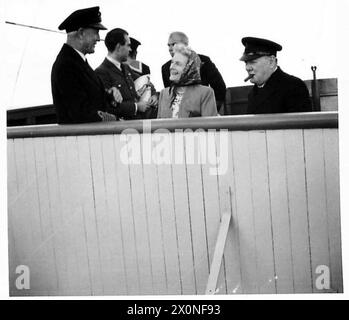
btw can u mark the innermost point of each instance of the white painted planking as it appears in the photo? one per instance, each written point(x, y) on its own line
point(35, 259)
point(185, 245)
point(101, 218)
point(47, 249)
point(89, 226)
point(197, 213)
point(315, 181)
point(261, 211)
point(127, 224)
point(227, 198)
point(168, 219)
point(115, 280)
point(297, 202)
point(88, 190)
point(59, 239)
point(67, 165)
point(74, 221)
point(331, 153)
point(12, 201)
point(280, 210)
point(154, 222)
point(244, 212)
point(139, 211)
point(211, 204)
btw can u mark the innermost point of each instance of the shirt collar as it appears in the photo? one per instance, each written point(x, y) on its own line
point(114, 62)
point(80, 54)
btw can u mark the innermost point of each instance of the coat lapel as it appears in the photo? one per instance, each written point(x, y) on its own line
point(260, 95)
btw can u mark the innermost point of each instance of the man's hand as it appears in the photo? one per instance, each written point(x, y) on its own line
point(116, 94)
point(142, 106)
point(153, 101)
point(105, 116)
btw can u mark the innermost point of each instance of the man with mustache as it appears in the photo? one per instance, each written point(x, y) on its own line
point(78, 94)
point(274, 91)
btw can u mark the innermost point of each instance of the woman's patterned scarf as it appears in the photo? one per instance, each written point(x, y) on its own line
point(190, 75)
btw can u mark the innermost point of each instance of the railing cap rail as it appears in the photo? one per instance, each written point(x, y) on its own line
point(308, 120)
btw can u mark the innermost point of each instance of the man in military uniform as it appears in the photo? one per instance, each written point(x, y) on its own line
point(78, 94)
point(115, 72)
point(210, 75)
point(274, 91)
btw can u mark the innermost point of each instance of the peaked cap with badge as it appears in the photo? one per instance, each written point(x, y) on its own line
point(83, 18)
point(258, 47)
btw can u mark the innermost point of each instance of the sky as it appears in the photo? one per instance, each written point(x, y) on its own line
point(307, 30)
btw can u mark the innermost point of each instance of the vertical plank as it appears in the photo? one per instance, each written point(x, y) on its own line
point(168, 218)
point(127, 224)
point(154, 217)
point(36, 257)
point(280, 211)
point(56, 218)
point(89, 224)
point(114, 281)
point(331, 154)
point(101, 219)
point(261, 209)
point(49, 272)
point(12, 202)
point(209, 171)
point(70, 183)
point(297, 202)
point(315, 179)
point(140, 219)
point(180, 194)
point(197, 210)
point(244, 212)
point(227, 198)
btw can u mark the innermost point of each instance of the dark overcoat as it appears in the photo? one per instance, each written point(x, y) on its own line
point(281, 93)
point(210, 76)
point(76, 90)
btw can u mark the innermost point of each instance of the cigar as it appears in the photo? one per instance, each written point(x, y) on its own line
point(249, 77)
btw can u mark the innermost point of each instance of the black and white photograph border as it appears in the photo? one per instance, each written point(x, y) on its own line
point(234, 206)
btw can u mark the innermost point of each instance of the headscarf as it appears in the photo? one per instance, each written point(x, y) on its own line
point(190, 75)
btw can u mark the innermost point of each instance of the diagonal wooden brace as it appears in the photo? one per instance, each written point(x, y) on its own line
point(218, 254)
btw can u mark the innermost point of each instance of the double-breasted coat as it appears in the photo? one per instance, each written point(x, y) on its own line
point(281, 93)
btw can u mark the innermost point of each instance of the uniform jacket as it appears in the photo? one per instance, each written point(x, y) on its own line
point(111, 76)
point(210, 76)
point(139, 67)
point(197, 101)
point(281, 93)
point(76, 90)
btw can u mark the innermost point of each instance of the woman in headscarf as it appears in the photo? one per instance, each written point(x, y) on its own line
point(186, 97)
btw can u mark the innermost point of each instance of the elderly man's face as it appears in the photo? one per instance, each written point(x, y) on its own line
point(89, 39)
point(261, 69)
point(172, 40)
point(178, 64)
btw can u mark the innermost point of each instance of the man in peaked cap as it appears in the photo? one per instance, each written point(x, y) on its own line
point(274, 91)
point(137, 66)
point(78, 94)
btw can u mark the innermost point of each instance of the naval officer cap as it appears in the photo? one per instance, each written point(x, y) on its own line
point(134, 43)
point(257, 47)
point(83, 18)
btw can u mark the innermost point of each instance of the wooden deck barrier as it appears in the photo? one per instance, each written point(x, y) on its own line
point(86, 222)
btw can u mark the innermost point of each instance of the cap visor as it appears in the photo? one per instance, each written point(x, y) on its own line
point(249, 57)
point(98, 26)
